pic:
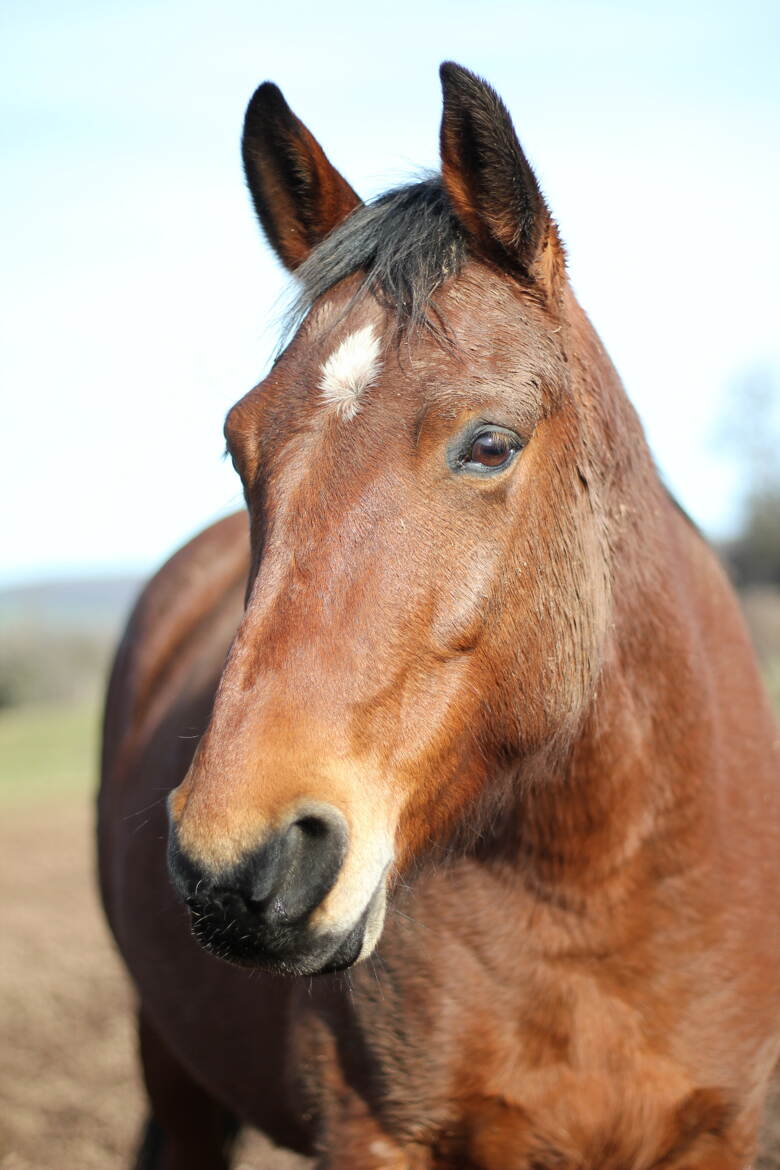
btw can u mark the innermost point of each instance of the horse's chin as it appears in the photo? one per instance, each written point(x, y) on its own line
point(294, 949)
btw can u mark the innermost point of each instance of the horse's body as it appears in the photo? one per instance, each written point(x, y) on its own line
point(490, 723)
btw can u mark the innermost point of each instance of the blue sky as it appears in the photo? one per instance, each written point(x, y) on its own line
point(139, 301)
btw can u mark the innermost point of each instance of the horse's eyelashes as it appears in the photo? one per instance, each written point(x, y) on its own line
point(486, 450)
point(493, 449)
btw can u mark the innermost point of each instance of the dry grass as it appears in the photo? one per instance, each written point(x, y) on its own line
point(69, 1095)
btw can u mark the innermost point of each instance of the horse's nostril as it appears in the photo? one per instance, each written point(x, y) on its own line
point(312, 826)
point(313, 852)
point(278, 884)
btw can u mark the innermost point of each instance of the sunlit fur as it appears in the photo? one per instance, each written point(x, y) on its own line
point(349, 371)
point(529, 696)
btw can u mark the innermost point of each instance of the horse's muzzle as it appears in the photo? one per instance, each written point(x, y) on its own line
point(258, 914)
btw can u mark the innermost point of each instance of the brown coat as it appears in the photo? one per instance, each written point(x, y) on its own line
point(490, 723)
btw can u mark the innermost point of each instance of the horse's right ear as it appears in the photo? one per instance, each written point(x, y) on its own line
point(492, 189)
point(298, 195)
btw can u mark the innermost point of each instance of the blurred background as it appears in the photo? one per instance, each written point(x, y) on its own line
point(138, 302)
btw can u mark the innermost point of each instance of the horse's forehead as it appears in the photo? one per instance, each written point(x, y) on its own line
point(346, 359)
point(477, 319)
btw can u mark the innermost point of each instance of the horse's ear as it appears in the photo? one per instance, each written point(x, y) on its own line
point(491, 186)
point(298, 195)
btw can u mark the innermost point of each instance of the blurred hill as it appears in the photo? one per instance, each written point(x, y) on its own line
point(57, 637)
point(96, 602)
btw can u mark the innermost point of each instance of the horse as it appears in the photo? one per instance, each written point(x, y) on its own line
point(440, 815)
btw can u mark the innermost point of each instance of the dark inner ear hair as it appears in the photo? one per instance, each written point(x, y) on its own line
point(406, 243)
point(299, 179)
point(298, 195)
point(493, 189)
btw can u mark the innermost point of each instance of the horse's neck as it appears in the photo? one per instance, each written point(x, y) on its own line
point(636, 772)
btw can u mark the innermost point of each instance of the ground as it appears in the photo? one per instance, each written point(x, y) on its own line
point(70, 1097)
point(70, 1093)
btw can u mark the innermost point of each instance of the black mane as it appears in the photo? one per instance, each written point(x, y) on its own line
point(406, 242)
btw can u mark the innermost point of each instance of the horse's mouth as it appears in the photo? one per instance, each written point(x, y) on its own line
point(223, 928)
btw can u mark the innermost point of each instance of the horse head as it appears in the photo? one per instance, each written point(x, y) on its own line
point(434, 470)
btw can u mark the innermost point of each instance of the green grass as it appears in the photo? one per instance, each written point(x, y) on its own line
point(48, 751)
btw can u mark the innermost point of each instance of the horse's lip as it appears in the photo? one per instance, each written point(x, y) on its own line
point(294, 950)
point(349, 950)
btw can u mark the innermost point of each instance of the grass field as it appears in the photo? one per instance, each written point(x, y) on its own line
point(48, 751)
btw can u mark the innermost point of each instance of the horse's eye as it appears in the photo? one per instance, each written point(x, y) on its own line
point(492, 449)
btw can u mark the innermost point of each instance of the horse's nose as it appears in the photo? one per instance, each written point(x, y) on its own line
point(279, 883)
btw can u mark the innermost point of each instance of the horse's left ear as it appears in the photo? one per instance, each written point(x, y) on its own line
point(298, 194)
point(493, 191)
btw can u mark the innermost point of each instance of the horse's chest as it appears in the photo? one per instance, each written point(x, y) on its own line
point(433, 1077)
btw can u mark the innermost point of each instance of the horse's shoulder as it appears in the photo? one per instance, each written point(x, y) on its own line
point(190, 584)
point(179, 629)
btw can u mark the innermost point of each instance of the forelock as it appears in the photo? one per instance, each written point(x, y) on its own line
point(405, 244)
